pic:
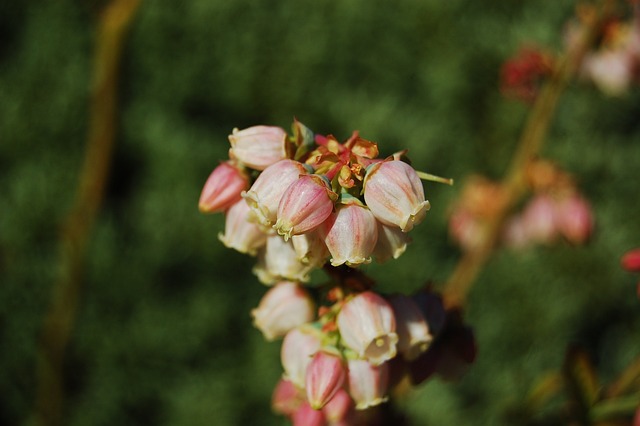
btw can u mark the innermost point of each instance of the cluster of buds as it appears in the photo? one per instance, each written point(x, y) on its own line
point(297, 202)
point(348, 359)
point(556, 210)
point(307, 201)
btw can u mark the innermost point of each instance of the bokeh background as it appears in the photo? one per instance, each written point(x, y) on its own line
point(163, 335)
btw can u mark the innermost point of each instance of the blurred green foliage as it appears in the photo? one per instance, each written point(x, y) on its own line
point(163, 334)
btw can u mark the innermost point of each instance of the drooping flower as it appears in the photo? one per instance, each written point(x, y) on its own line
point(367, 383)
point(239, 232)
point(310, 248)
point(339, 407)
point(411, 326)
point(278, 260)
point(304, 206)
point(350, 234)
point(284, 307)
point(393, 191)
point(392, 242)
point(325, 376)
point(307, 416)
point(223, 188)
point(286, 398)
point(368, 327)
point(298, 347)
point(266, 192)
point(539, 219)
point(258, 147)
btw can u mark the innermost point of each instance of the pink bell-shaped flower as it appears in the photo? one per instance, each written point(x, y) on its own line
point(223, 188)
point(367, 383)
point(304, 206)
point(307, 416)
point(266, 192)
point(278, 260)
point(392, 242)
point(350, 234)
point(393, 191)
point(325, 376)
point(339, 407)
point(298, 347)
point(286, 398)
point(284, 307)
point(412, 328)
point(310, 248)
point(258, 147)
point(368, 327)
point(239, 232)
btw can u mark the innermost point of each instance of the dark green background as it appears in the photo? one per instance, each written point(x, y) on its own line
point(163, 334)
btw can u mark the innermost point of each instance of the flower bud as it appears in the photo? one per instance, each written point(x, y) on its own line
point(338, 408)
point(307, 416)
point(239, 233)
point(278, 261)
point(392, 242)
point(574, 219)
point(367, 383)
point(367, 326)
point(413, 332)
point(284, 307)
point(264, 195)
point(298, 346)
point(304, 206)
point(350, 234)
point(258, 147)
point(393, 191)
point(325, 376)
point(223, 188)
point(286, 398)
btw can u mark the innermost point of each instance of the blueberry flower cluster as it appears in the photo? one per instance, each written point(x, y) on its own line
point(297, 202)
point(307, 201)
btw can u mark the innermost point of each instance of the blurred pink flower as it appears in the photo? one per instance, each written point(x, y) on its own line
point(367, 383)
point(325, 376)
point(239, 232)
point(298, 346)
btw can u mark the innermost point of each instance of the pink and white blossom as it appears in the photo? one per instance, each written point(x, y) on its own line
point(339, 407)
point(368, 383)
point(223, 188)
point(239, 232)
point(284, 307)
point(298, 347)
point(325, 376)
point(350, 234)
point(411, 326)
point(258, 147)
point(286, 398)
point(393, 191)
point(304, 206)
point(391, 244)
point(368, 327)
point(278, 260)
point(266, 192)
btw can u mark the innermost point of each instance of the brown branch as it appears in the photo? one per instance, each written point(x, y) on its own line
point(75, 230)
point(514, 183)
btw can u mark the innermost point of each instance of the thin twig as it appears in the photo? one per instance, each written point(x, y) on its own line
point(76, 228)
